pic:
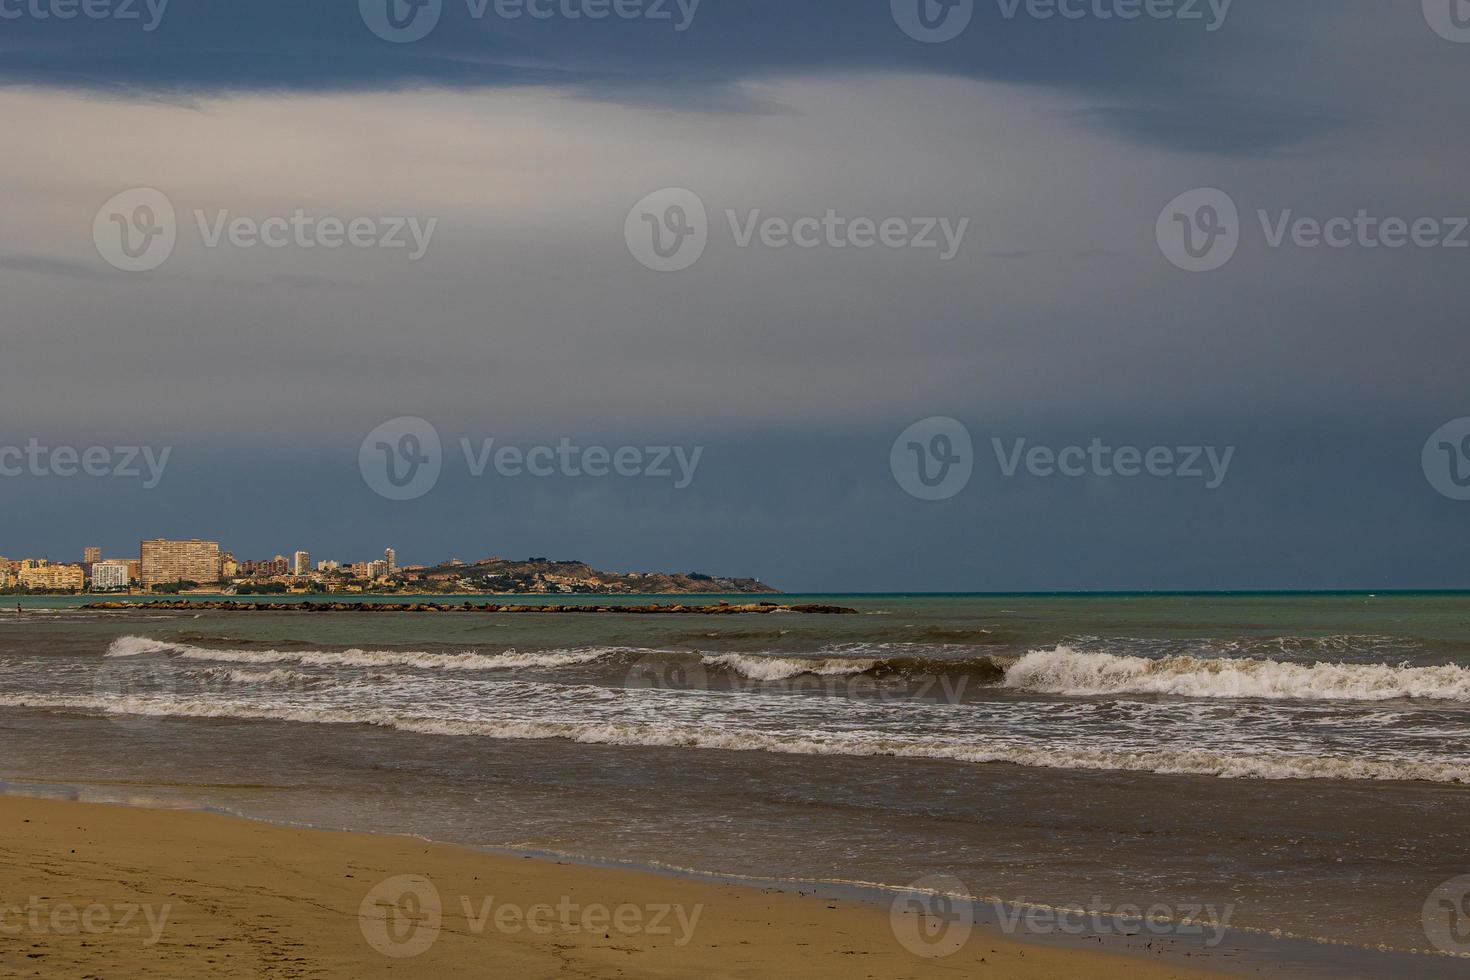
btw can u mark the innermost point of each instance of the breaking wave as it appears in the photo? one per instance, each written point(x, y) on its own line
point(1064, 670)
point(263, 678)
point(769, 668)
point(137, 646)
point(1194, 761)
point(131, 646)
point(782, 668)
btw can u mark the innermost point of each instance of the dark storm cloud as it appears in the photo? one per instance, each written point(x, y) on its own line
point(1170, 82)
point(1060, 321)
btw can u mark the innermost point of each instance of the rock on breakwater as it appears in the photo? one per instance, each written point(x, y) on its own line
point(231, 605)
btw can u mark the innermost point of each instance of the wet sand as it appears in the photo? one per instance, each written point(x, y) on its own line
point(89, 890)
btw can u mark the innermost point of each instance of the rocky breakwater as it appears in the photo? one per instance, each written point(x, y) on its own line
point(699, 609)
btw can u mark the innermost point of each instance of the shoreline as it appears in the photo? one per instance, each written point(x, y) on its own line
point(334, 606)
point(1114, 952)
point(506, 753)
point(104, 888)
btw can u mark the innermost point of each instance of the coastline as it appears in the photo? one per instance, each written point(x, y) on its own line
point(330, 606)
point(92, 888)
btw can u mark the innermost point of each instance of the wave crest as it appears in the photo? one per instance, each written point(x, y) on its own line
point(264, 678)
point(1064, 670)
point(1195, 761)
point(763, 667)
point(131, 646)
point(782, 668)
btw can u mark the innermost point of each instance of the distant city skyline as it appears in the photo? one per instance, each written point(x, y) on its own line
point(163, 561)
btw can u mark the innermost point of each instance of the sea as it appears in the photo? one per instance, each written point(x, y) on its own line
point(1300, 759)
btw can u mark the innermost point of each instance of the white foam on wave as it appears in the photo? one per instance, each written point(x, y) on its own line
point(1192, 761)
point(131, 646)
point(264, 678)
point(1064, 670)
point(399, 658)
point(137, 646)
point(782, 668)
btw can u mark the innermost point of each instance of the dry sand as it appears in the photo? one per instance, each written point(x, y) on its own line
point(91, 891)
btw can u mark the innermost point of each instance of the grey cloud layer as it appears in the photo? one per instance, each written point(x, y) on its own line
point(1058, 319)
point(1172, 82)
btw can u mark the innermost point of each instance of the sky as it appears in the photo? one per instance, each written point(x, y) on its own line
point(909, 256)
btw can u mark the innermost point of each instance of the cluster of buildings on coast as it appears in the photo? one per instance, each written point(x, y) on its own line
point(163, 565)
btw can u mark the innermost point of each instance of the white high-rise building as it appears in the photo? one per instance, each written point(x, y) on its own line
point(390, 558)
point(301, 563)
point(107, 575)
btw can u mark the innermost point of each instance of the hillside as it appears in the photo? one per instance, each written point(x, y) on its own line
point(545, 576)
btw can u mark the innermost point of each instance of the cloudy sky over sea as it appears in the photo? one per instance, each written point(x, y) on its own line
point(520, 149)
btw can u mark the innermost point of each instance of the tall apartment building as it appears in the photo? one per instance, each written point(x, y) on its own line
point(368, 570)
point(165, 561)
point(107, 575)
point(390, 557)
point(44, 575)
point(301, 563)
point(265, 569)
point(91, 556)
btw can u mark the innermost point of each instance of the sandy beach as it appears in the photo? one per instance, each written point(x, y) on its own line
point(105, 891)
